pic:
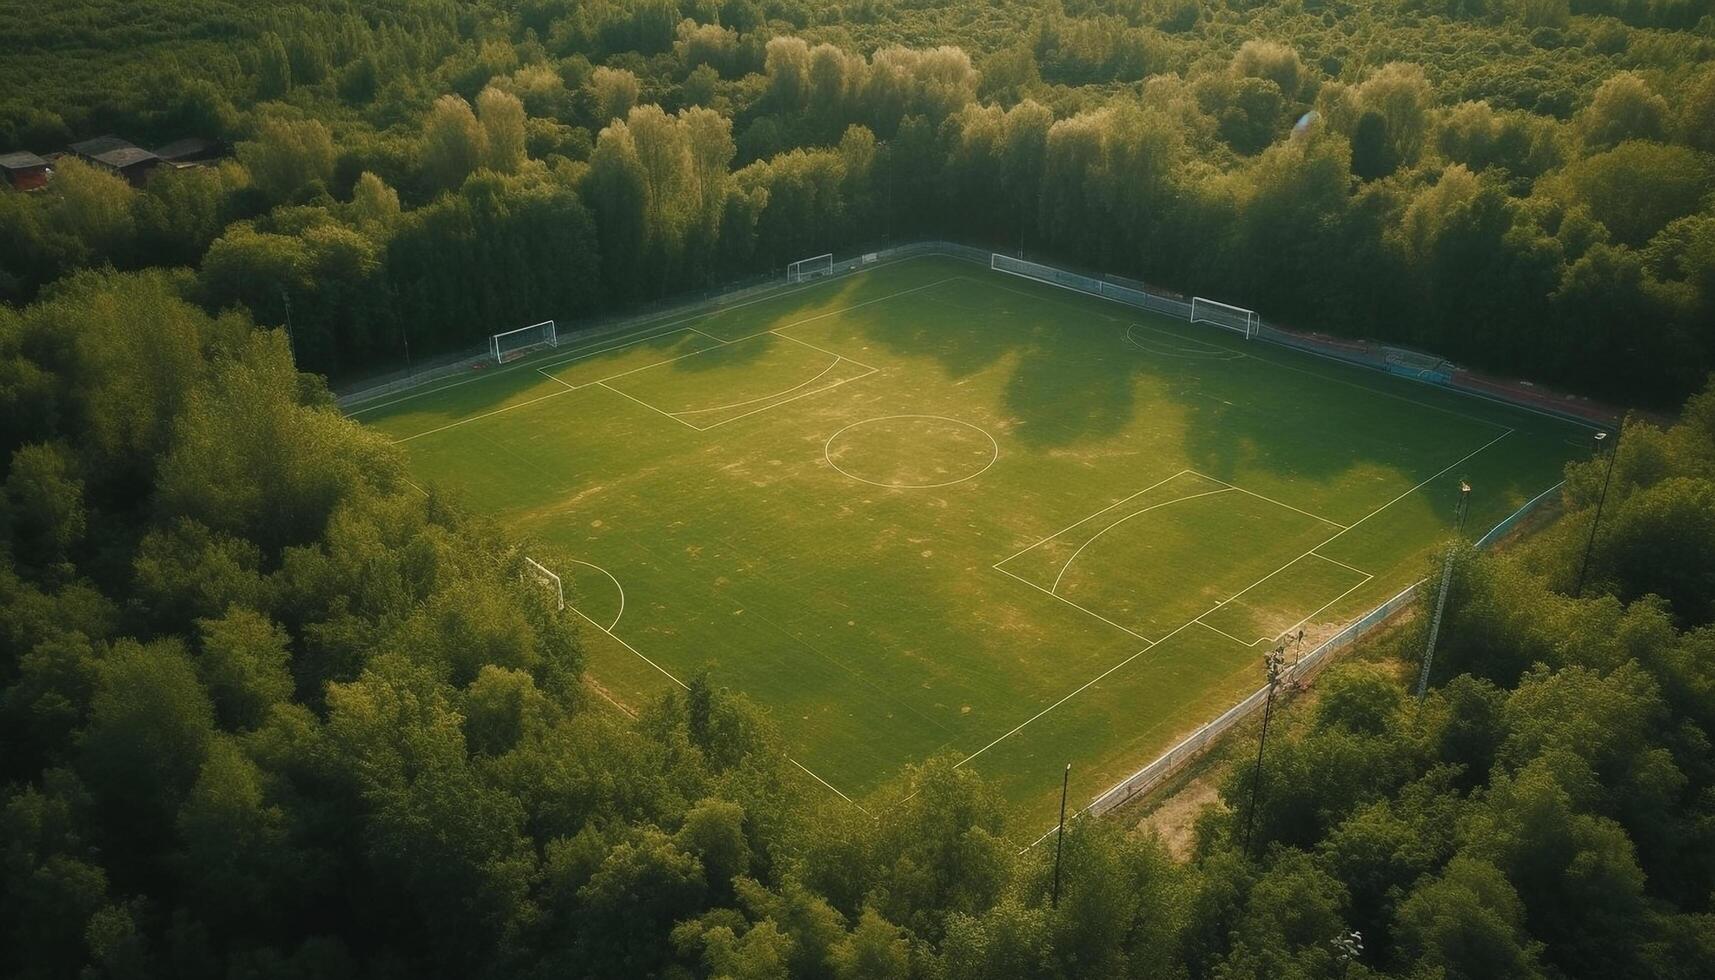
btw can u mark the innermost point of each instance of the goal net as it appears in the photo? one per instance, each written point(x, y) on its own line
point(511, 344)
point(804, 270)
point(535, 571)
point(1234, 318)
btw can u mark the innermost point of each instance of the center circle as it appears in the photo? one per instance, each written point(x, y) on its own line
point(911, 452)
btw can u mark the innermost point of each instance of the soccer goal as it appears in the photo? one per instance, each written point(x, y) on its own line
point(511, 344)
point(804, 270)
point(1234, 318)
point(535, 570)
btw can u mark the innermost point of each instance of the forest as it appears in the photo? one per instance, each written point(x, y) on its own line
point(1523, 188)
point(267, 711)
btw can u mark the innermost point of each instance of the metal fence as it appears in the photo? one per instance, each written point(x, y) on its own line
point(1401, 362)
point(1188, 748)
point(477, 356)
point(1393, 360)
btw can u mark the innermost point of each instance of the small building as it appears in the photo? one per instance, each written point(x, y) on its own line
point(189, 152)
point(89, 149)
point(25, 171)
point(120, 156)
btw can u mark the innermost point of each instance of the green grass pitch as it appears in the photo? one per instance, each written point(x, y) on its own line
point(933, 508)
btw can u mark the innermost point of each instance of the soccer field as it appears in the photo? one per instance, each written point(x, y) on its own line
point(932, 508)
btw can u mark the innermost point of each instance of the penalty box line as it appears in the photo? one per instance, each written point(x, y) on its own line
point(683, 686)
point(868, 370)
point(661, 329)
point(642, 335)
point(1196, 619)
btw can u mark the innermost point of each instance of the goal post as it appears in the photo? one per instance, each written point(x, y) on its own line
point(804, 270)
point(538, 573)
point(512, 344)
point(1234, 318)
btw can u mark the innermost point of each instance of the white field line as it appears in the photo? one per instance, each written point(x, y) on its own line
point(854, 306)
point(1229, 635)
point(1336, 561)
point(1159, 349)
point(652, 408)
point(663, 329)
point(1074, 605)
point(1313, 613)
point(1201, 346)
point(497, 372)
point(1091, 517)
point(815, 391)
point(555, 380)
point(1055, 588)
point(1271, 500)
point(805, 343)
point(1021, 725)
point(684, 686)
point(1196, 619)
point(484, 415)
point(664, 671)
point(615, 581)
point(829, 785)
point(652, 364)
point(751, 401)
point(828, 456)
point(627, 712)
point(709, 335)
point(1277, 362)
point(776, 332)
point(1425, 483)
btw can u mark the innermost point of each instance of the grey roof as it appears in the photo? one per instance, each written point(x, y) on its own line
point(192, 146)
point(21, 160)
point(125, 156)
point(99, 145)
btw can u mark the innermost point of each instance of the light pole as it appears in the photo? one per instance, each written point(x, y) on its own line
point(1590, 545)
point(1459, 512)
point(1271, 662)
point(1065, 780)
point(291, 342)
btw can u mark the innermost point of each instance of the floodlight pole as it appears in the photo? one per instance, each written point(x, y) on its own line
point(1065, 781)
point(1459, 512)
point(1271, 661)
point(291, 342)
point(1590, 545)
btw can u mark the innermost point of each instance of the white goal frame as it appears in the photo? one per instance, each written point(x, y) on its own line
point(804, 270)
point(1234, 318)
point(512, 344)
point(536, 570)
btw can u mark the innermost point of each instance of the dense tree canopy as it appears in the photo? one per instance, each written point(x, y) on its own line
point(269, 710)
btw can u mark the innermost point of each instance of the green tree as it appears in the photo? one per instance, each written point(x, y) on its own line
point(1467, 924)
point(1623, 108)
point(289, 158)
point(454, 142)
point(44, 504)
point(243, 661)
point(503, 124)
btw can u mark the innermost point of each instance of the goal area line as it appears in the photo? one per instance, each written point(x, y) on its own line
point(1153, 644)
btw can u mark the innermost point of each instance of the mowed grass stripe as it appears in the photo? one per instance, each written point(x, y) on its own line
point(871, 621)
